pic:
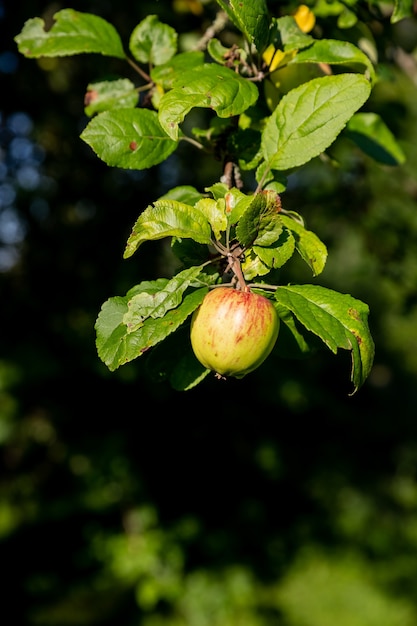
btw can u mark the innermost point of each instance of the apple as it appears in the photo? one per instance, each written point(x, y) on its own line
point(233, 331)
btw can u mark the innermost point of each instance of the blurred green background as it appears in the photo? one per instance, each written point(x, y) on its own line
point(279, 500)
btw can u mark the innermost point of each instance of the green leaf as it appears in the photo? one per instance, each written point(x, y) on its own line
point(253, 266)
point(183, 193)
point(214, 210)
point(167, 218)
point(310, 117)
point(372, 135)
point(155, 304)
point(402, 9)
point(347, 18)
point(260, 260)
point(338, 319)
point(153, 42)
point(167, 73)
point(251, 18)
point(128, 138)
point(110, 94)
point(210, 86)
point(335, 52)
point(278, 253)
point(294, 341)
point(217, 50)
point(261, 223)
point(311, 249)
point(117, 346)
point(286, 35)
point(236, 202)
point(219, 190)
point(174, 360)
point(72, 33)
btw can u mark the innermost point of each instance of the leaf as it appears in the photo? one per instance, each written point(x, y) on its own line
point(236, 203)
point(174, 360)
point(117, 346)
point(402, 9)
point(277, 254)
point(72, 33)
point(128, 138)
point(335, 52)
point(217, 50)
point(167, 218)
point(309, 118)
point(189, 252)
point(294, 341)
point(214, 210)
point(260, 223)
point(347, 18)
point(156, 303)
point(167, 73)
point(371, 134)
point(251, 18)
point(286, 35)
point(210, 86)
point(338, 319)
point(219, 190)
point(153, 42)
point(305, 18)
point(311, 249)
point(183, 193)
point(260, 260)
point(110, 94)
point(253, 266)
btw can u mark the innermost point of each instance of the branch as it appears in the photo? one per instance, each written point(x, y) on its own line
point(218, 25)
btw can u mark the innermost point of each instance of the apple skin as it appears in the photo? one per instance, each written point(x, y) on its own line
point(233, 331)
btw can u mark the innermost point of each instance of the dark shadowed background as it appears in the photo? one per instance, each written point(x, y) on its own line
point(278, 500)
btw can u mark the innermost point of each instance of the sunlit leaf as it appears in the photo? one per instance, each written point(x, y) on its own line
point(128, 138)
point(211, 86)
point(338, 319)
point(116, 345)
point(168, 218)
point(278, 253)
point(252, 18)
point(167, 73)
point(214, 210)
point(110, 94)
point(309, 118)
point(156, 303)
point(72, 33)
point(311, 249)
point(335, 52)
point(152, 41)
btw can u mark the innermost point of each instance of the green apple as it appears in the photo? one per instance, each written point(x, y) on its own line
point(233, 331)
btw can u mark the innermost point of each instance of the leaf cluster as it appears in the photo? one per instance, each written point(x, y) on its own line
point(226, 234)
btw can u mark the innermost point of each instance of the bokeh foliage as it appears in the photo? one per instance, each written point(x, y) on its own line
point(280, 501)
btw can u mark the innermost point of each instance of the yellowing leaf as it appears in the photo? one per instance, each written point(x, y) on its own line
point(305, 18)
point(276, 58)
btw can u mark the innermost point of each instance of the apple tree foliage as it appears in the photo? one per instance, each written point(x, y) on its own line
point(229, 232)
